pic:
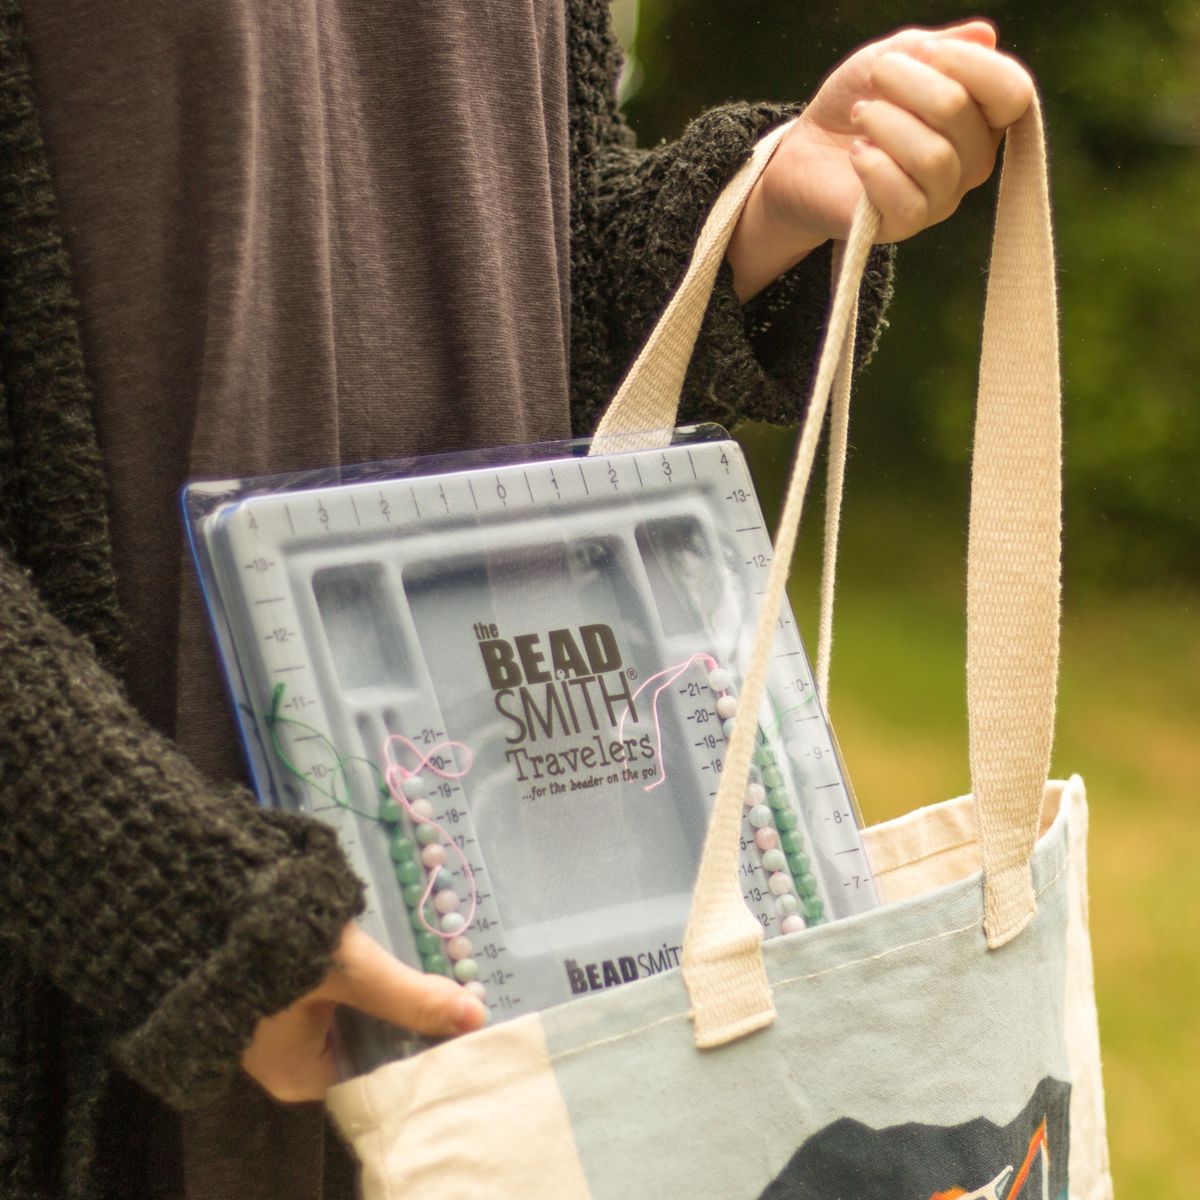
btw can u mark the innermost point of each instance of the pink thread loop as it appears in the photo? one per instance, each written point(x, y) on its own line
point(396, 776)
point(672, 673)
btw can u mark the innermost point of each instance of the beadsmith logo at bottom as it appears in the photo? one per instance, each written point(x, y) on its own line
point(611, 972)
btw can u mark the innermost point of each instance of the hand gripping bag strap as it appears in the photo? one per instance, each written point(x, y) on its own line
point(1013, 566)
point(642, 413)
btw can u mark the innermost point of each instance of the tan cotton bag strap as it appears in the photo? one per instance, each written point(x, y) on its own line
point(1012, 570)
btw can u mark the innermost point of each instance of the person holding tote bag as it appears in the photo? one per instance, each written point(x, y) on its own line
point(240, 239)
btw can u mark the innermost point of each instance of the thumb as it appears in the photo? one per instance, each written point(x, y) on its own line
point(367, 977)
point(977, 30)
point(980, 32)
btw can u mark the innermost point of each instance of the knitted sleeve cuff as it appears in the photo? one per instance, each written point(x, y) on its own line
point(757, 360)
point(275, 950)
point(750, 361)
point(174, 913)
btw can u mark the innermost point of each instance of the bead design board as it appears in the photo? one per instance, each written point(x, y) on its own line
point(554, 648)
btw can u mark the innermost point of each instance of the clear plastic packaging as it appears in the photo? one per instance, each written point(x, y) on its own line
point(506, 679)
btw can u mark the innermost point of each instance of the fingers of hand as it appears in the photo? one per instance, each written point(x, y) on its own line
point(999, 85)
point(946, 108)
point(290, 1056)
point(922, 154)
point(903, 206)
point(374, 982)
point(977, 30)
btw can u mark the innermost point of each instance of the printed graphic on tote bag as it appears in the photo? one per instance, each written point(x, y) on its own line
point(977, 1160)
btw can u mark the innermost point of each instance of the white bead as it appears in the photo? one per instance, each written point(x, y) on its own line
point(422, 809)
point(727, 727)
point(792, 924)
point(774, 860)
point(720, 680)
point(477, 989)
point(787, 905)
point(726, 706)
point(761, 816)
point(452, 922)
point(416, 786)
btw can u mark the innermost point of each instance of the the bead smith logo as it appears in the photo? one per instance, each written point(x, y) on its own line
point(612, 972)
point(558, 685)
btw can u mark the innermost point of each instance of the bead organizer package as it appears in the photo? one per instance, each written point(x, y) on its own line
point(507, 680)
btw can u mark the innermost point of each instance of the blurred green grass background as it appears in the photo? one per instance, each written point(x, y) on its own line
point(1120, 82)
point(1129, 695)
point(1121, 91)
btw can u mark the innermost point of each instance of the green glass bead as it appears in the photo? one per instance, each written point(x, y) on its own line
point(465, 970)
point(389, 810)
point(814, 909)
point(427, 834)
point(785, 821)
point(435, 964)
point(431, 918)
point(408, 872)
point(402, 848)
point(428, 943)
point(806, 886)
point(798, 864)
point(412, 893)
point(791, 841)
point(772, 778)
point(778, 798)
point(764, 756)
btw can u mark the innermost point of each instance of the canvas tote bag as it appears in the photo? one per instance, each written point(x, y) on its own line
point(941, 1047)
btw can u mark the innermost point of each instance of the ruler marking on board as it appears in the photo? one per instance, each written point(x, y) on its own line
point(357, 518)
point(414, 498)
point(474, 498)
point(692, 462)
point(639, 472)
point(587, 491)
point(291, 523)
point(530, 485)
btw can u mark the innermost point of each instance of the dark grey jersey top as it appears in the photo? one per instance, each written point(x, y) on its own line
point(303, 233)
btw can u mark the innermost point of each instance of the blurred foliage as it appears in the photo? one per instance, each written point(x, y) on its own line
point(1121, 86)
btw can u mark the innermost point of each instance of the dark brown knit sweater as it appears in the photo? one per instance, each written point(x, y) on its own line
point(148, 919)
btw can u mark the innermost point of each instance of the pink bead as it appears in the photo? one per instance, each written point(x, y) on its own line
point(446, 901)
point(476, 989)
point(780, 882)
point(766, 839)
point(459, 947)
point(433, 856)
point(755, 794)
point(422, 809)
point(792, 924)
